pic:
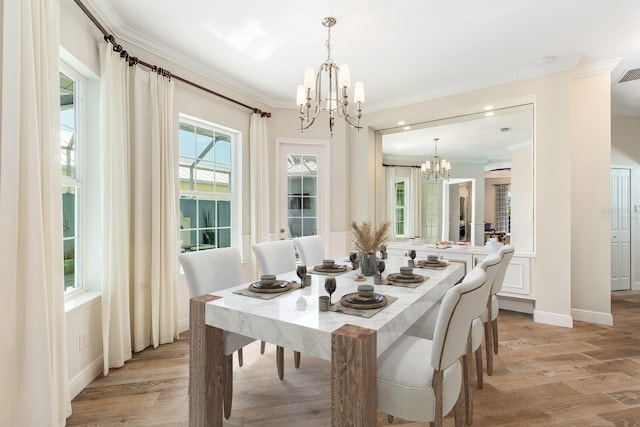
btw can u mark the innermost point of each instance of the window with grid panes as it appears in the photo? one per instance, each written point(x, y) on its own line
point(206, 155)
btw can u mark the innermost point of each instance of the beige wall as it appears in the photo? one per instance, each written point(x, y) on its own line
point(590, 198)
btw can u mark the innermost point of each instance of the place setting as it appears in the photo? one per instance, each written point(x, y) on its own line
point(268, 287)
point(406, 278)
point(329, 268)
point(363, 303)
point(432, 262)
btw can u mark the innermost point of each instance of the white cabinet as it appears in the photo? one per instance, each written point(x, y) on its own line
point(517, 279)
point(517, 290)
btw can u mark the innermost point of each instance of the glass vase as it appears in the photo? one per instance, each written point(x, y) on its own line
point(368, 264)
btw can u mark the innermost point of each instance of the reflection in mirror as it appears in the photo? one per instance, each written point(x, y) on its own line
point(490, 193)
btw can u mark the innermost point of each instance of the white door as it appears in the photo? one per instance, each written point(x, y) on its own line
point(302, 185)
point(620, 230)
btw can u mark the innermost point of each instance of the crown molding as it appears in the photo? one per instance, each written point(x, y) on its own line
point(594, 68)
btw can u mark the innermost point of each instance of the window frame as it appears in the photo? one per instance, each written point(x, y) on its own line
point(80, 83)
point(404, 206)
point(235, 185)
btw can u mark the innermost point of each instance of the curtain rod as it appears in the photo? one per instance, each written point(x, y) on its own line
point(133, 60)
point(399, 166)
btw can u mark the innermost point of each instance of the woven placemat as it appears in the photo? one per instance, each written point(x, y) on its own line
point(433, 266)
point(339, 308)
point(362, 306)
point(329, 271)
point(404, 284)
point(263, 295)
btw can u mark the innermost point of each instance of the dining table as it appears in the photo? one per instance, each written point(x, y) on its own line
point(351, 340)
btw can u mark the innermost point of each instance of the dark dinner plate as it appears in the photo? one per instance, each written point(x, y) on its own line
point(278, 285)
point(357, 299)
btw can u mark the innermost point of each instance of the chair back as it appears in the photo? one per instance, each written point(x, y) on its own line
point(275, 257)
point(311, 249)
point(457, 311)
point(211, 270)
point(507, 253)
point(491, 265)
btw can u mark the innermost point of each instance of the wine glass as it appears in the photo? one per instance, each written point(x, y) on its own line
point(353, 257)
point(381, 266)
point(330, 286)
point(412, 254)
point(301, 271)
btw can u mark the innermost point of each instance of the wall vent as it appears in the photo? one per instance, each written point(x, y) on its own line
point(630, 76)
point(505, 129)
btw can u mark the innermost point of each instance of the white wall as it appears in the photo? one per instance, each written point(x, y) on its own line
point(625, 152)
point(522, 198)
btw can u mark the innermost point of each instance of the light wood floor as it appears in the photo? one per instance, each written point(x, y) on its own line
point(543, 376)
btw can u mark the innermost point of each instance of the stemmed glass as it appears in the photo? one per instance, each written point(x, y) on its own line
point(330, 286)
point(412, 254)
point(301, 271)
point(381, 266)
point(353, 257)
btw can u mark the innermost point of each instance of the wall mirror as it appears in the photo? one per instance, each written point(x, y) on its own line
point(490, 191)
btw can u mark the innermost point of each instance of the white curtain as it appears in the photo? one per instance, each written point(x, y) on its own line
point(33, 374)
point(390, 200)
point(259, 171)
point(140, 210)
point(415, 202)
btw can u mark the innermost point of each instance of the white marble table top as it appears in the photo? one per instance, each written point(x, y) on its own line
point(292, 320)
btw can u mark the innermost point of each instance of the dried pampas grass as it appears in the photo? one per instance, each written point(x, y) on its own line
point(368, 239)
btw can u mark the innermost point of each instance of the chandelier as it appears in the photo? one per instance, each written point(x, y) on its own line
point(436, 168)
point(337, 80)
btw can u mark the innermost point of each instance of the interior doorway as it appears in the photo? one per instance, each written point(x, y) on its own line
point(620, 229)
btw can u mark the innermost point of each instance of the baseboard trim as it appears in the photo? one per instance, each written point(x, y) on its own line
point(183, 325)
point(521, 306)
point(592, 317)
point(552, 318)
point(84, 378)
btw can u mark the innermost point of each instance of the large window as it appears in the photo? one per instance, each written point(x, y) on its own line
point(70, 118)
point(400, 187)
point(207, 189)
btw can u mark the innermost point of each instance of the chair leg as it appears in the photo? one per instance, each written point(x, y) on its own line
point(262, 343)
point(436, 385)
point(280, 361)
point(240, 357)
point(466, 379)
point(457, 413)
point(227, 384)
point(479, 369)
point(494, 335)
point(488, 347)
point(389, 419)
point(296, 359)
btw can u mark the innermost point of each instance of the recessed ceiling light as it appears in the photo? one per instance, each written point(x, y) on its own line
point(406, 127)
point(401, 123)
point(546, 60)
point(489, 113)
point(488, 107)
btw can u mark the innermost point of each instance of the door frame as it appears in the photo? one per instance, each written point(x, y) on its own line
point(634, 286)
point(322, 149)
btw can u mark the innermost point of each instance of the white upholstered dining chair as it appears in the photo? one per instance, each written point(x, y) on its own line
point(420, 379)
point(311, 249)
point(277, 257)
point(490, 314)
point(424, 328)
point(209, 271)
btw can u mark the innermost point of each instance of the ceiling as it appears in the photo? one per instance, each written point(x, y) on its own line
point(404, 51)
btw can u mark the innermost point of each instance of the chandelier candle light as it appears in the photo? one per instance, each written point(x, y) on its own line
point(338, 81)
point(436, 168)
